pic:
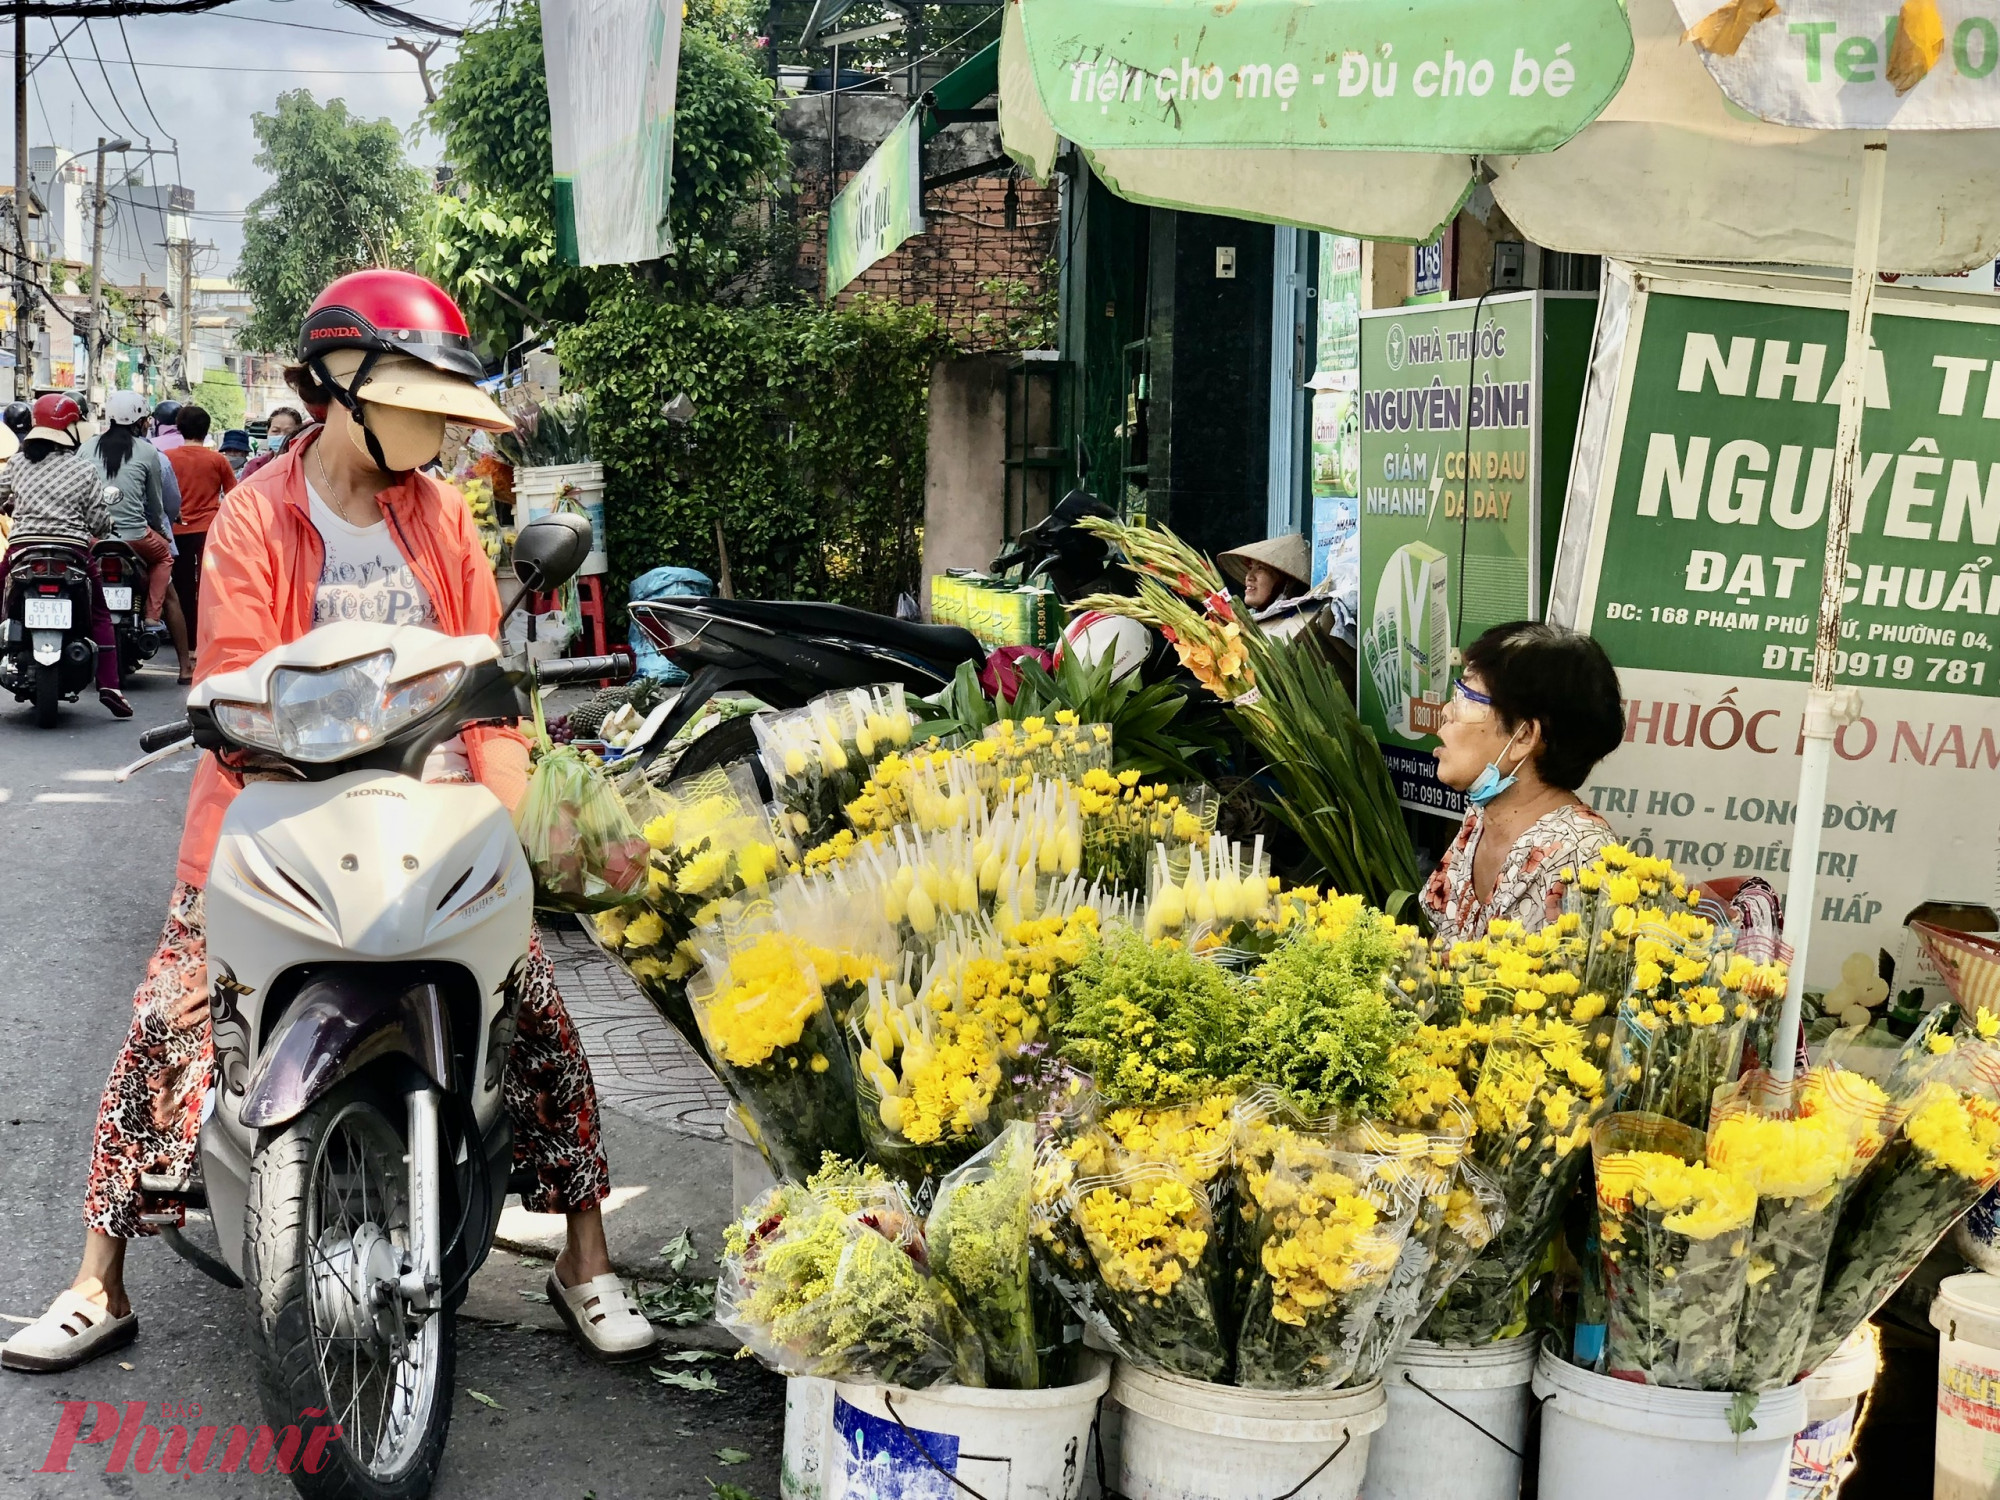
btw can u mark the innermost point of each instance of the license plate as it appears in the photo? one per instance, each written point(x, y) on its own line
point(117, 598)
point(45, 614)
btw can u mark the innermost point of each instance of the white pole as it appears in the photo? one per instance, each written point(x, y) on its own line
point(1829, 707)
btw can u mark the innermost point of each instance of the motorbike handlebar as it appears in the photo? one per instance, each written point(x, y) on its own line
point(165, 735)
point(582, 668)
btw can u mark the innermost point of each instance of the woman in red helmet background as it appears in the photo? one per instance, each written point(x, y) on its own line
point(51, 490)
point(342, 525)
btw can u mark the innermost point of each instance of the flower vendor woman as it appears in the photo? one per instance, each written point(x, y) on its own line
point(1537, 708)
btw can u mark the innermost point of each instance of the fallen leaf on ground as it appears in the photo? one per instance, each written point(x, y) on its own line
point(688, 1356)
point(731, 1456)
point(485, 1400)
point(687, 1380)
point(678, 1252)
point(124, 1366)
point(533, 1296)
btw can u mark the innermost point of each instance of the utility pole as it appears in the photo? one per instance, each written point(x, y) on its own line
point(93, 385)
point(24, 358)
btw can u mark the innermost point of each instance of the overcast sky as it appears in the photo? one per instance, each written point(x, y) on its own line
point(206, 75)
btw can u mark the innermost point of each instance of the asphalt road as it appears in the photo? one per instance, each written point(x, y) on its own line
point(91, 867)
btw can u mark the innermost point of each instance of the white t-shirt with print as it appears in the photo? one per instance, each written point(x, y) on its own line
point(366, 577)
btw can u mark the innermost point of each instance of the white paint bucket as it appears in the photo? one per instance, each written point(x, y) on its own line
point(802, 1471)
point(553, 487)
point(1458, 1422)
point(1821, 1453)
point(1007, 1445)
point(1190, 1440)
point(1967, 1315)
point(1602, 1436)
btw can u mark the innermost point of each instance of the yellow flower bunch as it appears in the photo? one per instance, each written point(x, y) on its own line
point(1038, 747)
point(1955, 1132)
point(1322, 1242)
point(763, 1006)
point(1145, 1234)
point(1803, 1157)
point(1192, 1139)
point(1693, 1199)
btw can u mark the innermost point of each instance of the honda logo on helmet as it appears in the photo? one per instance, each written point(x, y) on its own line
point(335, 331)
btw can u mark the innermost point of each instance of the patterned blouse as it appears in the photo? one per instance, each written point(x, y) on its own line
point(62, 496)
point(1529, 889)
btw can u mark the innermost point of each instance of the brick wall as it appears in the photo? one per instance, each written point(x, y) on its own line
point(965, 246)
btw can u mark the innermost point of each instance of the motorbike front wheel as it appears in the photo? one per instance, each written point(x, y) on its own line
point(48, 693)
point(326, 1234)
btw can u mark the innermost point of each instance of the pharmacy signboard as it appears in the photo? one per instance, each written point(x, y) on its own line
point(1692, 549)
point(1450, 467)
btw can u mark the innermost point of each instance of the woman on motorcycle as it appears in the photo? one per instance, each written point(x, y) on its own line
point(139, 515)
point(51, 490)
point(342, 526)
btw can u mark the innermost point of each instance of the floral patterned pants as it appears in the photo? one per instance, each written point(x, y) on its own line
point(150, 1118)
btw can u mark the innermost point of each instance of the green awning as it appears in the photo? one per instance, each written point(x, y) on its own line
point(964, 87)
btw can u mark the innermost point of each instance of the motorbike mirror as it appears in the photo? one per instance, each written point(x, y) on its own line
point(549, 550)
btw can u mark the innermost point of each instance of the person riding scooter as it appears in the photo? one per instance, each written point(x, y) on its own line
point(51, 490)
point(343, 526)
point(139, 515)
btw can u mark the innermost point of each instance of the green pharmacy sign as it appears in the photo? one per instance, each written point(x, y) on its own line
point(880, 208)
point(1466, 76)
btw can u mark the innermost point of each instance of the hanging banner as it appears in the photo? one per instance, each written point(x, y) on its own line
point(881, 206)
point(1464, 76)
point(1336, 423)
point(1826, 65)
point(1692, 549)
point(612, 67)
point(1438, 404)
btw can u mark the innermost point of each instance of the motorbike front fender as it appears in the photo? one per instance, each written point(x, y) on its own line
point(338, 1025)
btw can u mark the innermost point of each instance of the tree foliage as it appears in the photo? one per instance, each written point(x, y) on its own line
point(342, 197)
point(222, 396)
point(807, 443)
point(495, 249)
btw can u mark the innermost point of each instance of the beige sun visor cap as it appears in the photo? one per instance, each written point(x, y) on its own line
point(400, 380)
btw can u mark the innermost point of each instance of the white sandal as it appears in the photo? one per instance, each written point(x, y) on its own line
point(72, 1332)
point(603, 1318)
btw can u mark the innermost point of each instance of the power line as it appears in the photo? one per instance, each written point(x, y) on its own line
point(133, 63)
point(299, 72)
point(89, 103)
point(131, 128)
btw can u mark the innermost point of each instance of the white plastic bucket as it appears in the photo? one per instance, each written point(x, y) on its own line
point(553, 487)
point(1602, 1436)
point(1006, 1445)
point(802, 1472)
point(1190, 1440)
point(1967, 1315)
point(1465, 1437)
point(1833, 1397)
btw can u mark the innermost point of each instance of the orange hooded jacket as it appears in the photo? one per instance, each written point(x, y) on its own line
point(258, 575)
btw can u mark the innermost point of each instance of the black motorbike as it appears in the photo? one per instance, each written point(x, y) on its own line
point(125, 574)
point(786, 653)
point(47, 656)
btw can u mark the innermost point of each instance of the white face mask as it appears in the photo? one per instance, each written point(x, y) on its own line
point(408, 439)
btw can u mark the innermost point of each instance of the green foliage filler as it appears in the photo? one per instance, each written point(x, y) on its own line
point(807, 442)
point(221, 395)
point(343, 198)
point(1151, 1023)
point(1325, 1032)
point(495, 249)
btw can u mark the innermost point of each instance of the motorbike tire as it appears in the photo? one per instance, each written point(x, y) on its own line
point(128, 661)
point(278, 1276)
point(48, 694)
point(730, 741)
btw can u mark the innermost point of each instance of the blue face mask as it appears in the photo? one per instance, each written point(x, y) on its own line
point(1491, 783)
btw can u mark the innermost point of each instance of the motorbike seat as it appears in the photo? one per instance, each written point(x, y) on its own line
point(118, 546)
point(944, 645)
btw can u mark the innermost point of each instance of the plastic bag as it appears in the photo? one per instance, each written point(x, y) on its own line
point(834, 1281)
point(978, 1236)
point(586, 852)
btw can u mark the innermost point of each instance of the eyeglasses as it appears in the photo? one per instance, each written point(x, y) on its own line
point(1467, 705)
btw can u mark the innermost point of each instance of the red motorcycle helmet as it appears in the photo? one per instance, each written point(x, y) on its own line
point(57, 418)
point(383, 312)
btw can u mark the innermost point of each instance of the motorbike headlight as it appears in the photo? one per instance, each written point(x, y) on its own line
point(336, 712)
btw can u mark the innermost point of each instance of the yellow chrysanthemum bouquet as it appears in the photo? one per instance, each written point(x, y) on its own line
point(1689, 1010)
point(1675, 1234)
point(773, 1039)
point(1800, 1147)
point(1943, 1153)
point(708, 841)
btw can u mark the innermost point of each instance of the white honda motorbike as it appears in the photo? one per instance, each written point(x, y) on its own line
point(367, 933)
